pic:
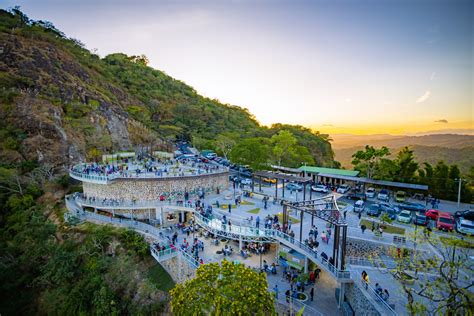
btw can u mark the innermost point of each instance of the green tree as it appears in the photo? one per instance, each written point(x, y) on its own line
point(225, 142)
point(283, 145)
point(386, 169)
point(407, 166)
point(225, 289)
point(253, 152)
point(436, 283)
point(367, 160)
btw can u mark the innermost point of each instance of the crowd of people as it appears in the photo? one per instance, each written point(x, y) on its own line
point(146, 165)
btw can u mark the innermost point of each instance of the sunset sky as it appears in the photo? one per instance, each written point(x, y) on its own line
point(338, 66)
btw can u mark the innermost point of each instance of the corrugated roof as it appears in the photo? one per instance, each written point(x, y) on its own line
point(383, 183)
point(332, 171)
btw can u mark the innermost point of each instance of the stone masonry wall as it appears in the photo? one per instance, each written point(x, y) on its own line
point(365, 248)
point(151, 189)
point(360, 304)
point(179, 269)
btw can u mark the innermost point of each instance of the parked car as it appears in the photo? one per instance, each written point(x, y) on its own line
point(294, 187)
point(404, 217)
point(343, 189)
point(359, 206)
point(270, 180)
point(445, 222)
point(383, 195)
point(400, 196)
point(246, 181)
point(420, 219)
point(432, 214)
point(319, 188)
point(417, 207)
point(370, 192)
point(467, 214)
point(374, 210)
point(356, 196)
point(464, 226)
point(391, 211)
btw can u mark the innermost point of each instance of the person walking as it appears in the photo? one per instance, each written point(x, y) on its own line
point(359, 215)
point(257, 222)
point(363, 228)
point(345, 214)
point(311, 293)
point(230, 208)
point(275, 289)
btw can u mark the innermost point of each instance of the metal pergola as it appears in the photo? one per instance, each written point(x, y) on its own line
point(283, 178)
point(326, 209)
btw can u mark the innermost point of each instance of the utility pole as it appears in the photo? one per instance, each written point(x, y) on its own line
point(459, 192)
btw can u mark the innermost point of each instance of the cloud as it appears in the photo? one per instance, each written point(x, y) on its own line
point(348, 100)
point(433, 75)
point(424, 97)
point(441, 121)
point(328, 125)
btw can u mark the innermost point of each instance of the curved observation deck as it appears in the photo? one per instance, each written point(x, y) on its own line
point(104, 174)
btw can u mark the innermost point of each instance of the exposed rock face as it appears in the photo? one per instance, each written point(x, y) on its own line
point(60, 105)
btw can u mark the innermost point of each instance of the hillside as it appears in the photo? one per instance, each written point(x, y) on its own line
point(61, 104)
point(463, 157)
point(441, 140)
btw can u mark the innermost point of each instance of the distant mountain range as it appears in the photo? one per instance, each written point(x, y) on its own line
point(452, 148)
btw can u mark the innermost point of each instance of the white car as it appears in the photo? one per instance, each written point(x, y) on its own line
point(343, 189)
point(370, 192)
point(465, 226)
point(359, 206)
point(246, 181)
point(383, 195)
point(404, 217)
point(319, 188)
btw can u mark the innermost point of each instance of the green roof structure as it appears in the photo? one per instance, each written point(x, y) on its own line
point(339, 172)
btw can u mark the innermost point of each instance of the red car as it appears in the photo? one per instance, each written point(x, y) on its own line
point(445, 222)
point(432, 214)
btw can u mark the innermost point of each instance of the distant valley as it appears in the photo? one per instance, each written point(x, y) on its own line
point(452, 148)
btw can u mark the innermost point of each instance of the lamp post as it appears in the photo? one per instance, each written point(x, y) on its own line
point(459, 191)
point(260, 251)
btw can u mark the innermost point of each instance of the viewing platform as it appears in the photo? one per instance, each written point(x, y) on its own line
point(100, 173)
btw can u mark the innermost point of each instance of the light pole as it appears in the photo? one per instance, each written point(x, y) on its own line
point(260, 251)
point(459, 192)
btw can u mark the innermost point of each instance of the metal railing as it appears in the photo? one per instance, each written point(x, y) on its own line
point(102, 178)
point(234, 232)
point(296, 305)
point(257, 233)
point(375, 262)
point(163, 254)
point(132, 224)
point(374, 297)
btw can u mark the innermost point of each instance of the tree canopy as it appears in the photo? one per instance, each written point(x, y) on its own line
point(223, 289)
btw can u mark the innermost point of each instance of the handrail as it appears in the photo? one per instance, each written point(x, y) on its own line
point(375, 262)
point(272, 233)
point(143, 175)
point(366, 288)
point(215, 223)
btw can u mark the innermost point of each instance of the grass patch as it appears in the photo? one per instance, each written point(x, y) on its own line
point(293, 220)
point(226, 206)
point(158, 275)
point(469, 244)
point(254, 211)
point(388, 228)
point(244, 202)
